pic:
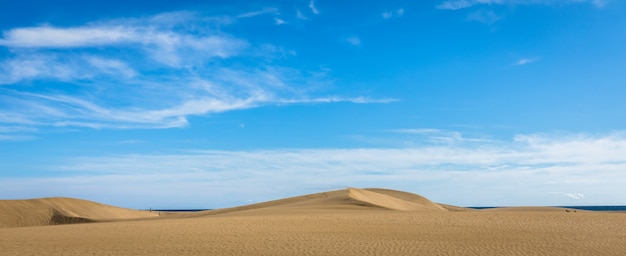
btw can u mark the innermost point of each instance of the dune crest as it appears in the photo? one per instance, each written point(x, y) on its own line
point(389, 201)
point(345, 199)
point(54, 211)
point(342, 222)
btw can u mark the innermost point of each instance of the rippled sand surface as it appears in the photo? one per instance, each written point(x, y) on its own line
point(347, 222)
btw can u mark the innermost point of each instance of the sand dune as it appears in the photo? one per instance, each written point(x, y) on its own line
point(345, 199)
point(53, 211)
point(342, 222)
point(394, 200)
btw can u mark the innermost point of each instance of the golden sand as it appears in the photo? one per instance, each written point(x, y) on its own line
point(345, 222)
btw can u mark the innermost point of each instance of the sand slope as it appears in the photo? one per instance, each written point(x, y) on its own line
point(345, 199)
point(342, 222)
point(52, 211)
point(394, 200)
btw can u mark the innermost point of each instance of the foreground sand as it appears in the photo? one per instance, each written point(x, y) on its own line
point(350, 222)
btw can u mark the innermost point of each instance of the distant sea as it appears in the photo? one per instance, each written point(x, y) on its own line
point(179, 210)
point(602, 208)
point(588, 208)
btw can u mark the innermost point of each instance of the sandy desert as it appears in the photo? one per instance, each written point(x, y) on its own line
point(343, 222)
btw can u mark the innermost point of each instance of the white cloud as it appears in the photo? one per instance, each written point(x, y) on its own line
point(300, 15)
point(577, 148)
point(354, 40)
point(358, 100)
point(152, 72)
point(523, 171)
point(33, 66)
point(64, 67)
point(484, 16)
point(438, 136)
point(462, 4)
point(576, 196)
point(111, 66)
point(455, 5)
point(599, 3)
point(15, 137)
point(313, 8)
point(176, 50)
point(13, 133)
point(279, 21)
point(177, 40)
point(390, 14)
point(168, 103)
point(163, 45)
point(525, 61)
point(50, 37)
point(400, 12)
point(257, 13)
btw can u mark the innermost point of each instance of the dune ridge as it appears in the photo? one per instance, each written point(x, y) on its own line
point(394, 200)
point(344, 199)
point(60, 210)
point(342, 222)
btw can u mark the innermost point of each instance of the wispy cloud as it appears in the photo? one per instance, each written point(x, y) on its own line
point(111, 66)
point(257, 13)
point(160, 43)
point(438, 136)
point(463, 4)
point(279, 21)
point(488, 17)
point(223, 90)
point(12, 133)
point(525, 170)
point(525, 61)
point(354, 40)
point(63, 67)
point(146, 37)
point(358, 100)
point(143, 73)
point(391, 14)
point(36, 37)
point(33, 66)
point(314, 9)
point(576, 196)
point(300, 15)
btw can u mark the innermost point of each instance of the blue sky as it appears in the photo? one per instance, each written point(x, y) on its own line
point(206, 104)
